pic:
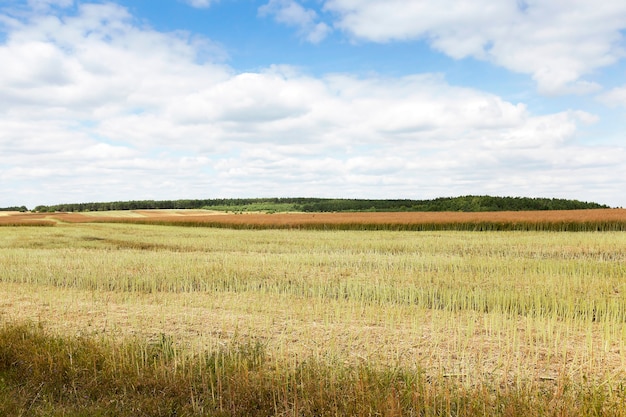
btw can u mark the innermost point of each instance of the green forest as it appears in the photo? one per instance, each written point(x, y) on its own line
point(15, 208)
point(275, 205)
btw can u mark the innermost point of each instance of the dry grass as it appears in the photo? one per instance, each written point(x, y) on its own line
point(468, 346)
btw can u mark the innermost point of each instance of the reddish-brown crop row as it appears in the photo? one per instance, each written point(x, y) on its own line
point(572, 220)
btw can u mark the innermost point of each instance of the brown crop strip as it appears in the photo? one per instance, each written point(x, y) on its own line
point(558, 220)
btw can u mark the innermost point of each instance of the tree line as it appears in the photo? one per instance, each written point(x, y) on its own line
point(464, 203)
point(14, 208)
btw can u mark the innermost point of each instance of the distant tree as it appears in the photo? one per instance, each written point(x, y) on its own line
point(468, 203)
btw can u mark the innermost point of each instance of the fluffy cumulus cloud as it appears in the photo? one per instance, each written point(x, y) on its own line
point(557, 42)
point(93, 107)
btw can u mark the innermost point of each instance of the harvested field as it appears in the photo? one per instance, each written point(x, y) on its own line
point(134, 319)
point(559, 220)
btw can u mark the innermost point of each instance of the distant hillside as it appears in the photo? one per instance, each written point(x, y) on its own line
point(464, 203)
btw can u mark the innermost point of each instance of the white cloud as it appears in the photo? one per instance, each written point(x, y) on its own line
point(292, 13)
point(615, 97)
point(557, 42)
point(200, 4)
point(93, 107)
point(42, 5)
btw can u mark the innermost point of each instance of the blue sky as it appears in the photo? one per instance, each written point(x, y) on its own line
point(144, 99)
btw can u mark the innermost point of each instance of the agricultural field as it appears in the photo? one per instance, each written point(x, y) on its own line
point(551, 220)
point(130, 313)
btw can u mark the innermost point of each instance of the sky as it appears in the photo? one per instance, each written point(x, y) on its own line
point(377, 99)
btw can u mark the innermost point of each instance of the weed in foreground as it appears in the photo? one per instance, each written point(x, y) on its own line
point(48, 375)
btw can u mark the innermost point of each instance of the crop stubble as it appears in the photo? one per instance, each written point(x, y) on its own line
point(507, 309)
point(497, 304)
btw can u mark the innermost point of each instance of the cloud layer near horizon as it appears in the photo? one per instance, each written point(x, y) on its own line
point(95, 106)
